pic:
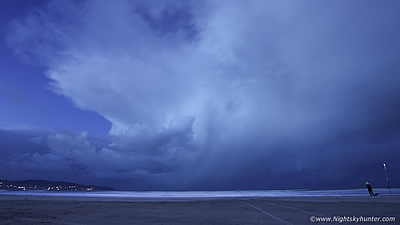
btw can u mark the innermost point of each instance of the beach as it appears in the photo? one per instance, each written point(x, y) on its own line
point(24, 209)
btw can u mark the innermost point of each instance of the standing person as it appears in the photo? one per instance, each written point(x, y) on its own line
point(371, 193)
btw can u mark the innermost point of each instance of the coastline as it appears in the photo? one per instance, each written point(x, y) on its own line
point(26, 209)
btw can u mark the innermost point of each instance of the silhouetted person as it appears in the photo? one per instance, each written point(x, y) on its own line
point(371, 193)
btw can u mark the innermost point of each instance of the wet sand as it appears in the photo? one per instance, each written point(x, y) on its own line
point(265, 210)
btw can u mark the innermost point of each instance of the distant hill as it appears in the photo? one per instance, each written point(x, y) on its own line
point(49, 186)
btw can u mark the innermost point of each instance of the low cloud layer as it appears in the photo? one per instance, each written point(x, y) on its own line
point(227, 95)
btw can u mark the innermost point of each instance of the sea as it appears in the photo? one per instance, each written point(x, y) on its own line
point(205, 194)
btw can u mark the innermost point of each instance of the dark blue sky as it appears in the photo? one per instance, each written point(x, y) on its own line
point(200, 94)
point(25, 91)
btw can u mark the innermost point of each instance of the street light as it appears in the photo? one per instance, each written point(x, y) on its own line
point(387, 178)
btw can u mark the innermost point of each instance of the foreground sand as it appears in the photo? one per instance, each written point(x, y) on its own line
point(272, 210)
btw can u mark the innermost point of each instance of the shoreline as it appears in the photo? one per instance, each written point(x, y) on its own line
point(207, 194)
point(366, 198)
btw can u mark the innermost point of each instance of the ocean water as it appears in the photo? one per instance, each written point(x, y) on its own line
point(206, 194)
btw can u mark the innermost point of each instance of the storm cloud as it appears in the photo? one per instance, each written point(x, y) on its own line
point(218, 95)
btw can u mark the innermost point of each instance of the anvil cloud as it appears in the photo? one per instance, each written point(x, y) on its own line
point(216, 95)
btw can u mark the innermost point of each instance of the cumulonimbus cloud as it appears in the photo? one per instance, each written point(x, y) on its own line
point(190, 86)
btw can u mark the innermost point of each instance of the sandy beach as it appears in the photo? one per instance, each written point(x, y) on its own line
point(266, 210)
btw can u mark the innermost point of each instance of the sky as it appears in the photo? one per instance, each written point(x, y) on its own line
point(201, 95)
